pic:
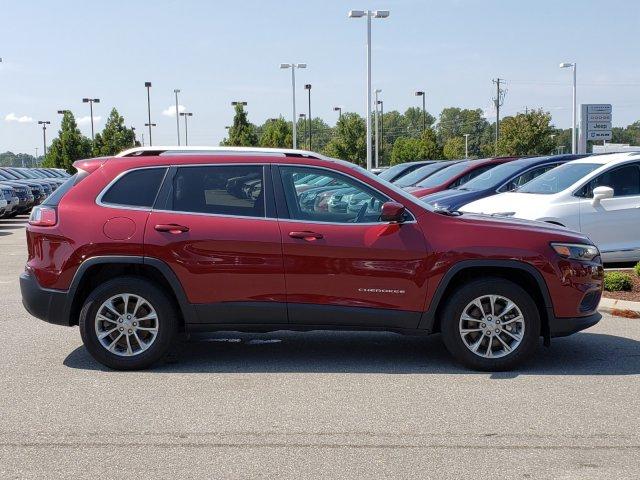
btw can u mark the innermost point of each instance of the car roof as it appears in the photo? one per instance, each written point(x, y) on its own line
point(607, 158)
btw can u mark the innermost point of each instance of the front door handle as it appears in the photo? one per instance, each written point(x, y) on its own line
point(306, 235)
point(171, 228)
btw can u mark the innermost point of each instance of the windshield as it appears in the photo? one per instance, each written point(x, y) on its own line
point(9, 175)
point(417, 175)
point(558, 179)
point(443, 175)
point(492, 177)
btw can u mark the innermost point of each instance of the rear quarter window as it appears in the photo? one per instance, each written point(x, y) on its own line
point(137, 188)
point(54, 199)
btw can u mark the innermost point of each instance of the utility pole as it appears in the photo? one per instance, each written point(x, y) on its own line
point(498, 101)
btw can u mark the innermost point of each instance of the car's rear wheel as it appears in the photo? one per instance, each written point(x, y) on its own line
point(128, 323)
point(491, 324)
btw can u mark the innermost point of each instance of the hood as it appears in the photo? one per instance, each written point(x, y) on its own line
point(523, 205)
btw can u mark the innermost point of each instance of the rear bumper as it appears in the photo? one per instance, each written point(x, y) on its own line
point(561, 327)
point(43, 303)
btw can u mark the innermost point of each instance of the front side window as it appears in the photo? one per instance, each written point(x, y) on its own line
point(235, 190)
point(467, 177)
point(558, 179)
point(526, 177)
point(625, 181)
point(137, 188)
point(336, 198)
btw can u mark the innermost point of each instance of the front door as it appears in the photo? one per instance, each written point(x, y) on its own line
point(215, 230)
point(342, 265)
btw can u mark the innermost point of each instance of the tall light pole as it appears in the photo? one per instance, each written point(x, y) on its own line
point(466, 145)
point(377, 91)
point(91, 101)
point(368, 14)
point(293, 67)
point(133, 129)
point(176, 91)
point(186, 126)
point(149, 124)
point(339, 110)
point(303, 117)
point(574, 141)
point(424, 109)
point(381, 103)
point(44, 124)
point(307, 87)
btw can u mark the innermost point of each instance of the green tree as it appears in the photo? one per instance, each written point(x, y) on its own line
point(276, 133)
point(69, 146)
point(115, 136)
point(242, 133)
point(350, 139)
point(408, 149)
point(455, 122)
point(414, 121)
point(454, 148)
point(526, 134)
point(562, 140)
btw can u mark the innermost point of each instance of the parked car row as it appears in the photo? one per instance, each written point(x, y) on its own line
point(23, 188)
point(598, 195)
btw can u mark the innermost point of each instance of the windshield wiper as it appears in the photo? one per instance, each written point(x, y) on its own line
point(447, 212)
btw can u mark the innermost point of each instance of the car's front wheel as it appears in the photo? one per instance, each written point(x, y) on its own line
point(491, 324)
point(128, 323)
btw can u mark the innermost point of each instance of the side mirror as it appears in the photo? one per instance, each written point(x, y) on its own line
point(392, 212)
point(601, 193)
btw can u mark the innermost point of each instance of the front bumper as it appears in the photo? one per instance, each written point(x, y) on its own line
point(561, 327)
point(44, 303)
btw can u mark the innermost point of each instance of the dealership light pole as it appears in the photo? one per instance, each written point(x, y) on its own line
point(91, 101)
point(294, 120)
point(44, 124)
point(149, 124)
point(339, 110)
point(303, 117)
point(186, 126)
point(424, 109)
point(307, 87)
point(573, 127)
point(381, 103)
point(377, 91)
point(133, 129)
point(176, 91)
point(466, 145)
point(369, 14)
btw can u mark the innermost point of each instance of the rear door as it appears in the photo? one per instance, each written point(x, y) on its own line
point(343, 266)
point(215, 226)
point(614, 223)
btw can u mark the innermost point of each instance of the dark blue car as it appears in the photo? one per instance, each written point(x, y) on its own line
point(503, 178)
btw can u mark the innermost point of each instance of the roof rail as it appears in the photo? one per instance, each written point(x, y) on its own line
point(177, 150)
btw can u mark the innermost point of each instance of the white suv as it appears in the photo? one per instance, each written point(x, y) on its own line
point(598, 196)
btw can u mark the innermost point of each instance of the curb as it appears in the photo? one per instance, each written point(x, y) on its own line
point(620, 308)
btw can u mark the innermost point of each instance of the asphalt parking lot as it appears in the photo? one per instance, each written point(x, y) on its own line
point(313, 405)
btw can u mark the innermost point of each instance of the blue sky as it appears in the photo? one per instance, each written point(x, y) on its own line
point(55, 53)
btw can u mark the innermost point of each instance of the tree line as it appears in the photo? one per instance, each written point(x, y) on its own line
point(408, 136)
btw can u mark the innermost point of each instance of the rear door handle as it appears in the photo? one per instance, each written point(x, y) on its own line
point(306, 235)
point(171, 228)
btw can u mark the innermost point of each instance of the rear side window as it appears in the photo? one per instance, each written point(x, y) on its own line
point(219, 190)
point(54, 199)
point(137, 188)
point(625, 181)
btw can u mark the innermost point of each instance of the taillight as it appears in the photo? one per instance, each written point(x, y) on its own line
point(43, 216)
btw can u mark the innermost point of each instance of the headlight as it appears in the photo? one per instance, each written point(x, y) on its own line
point(576, 251)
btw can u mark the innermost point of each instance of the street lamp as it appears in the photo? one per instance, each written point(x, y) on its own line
point(91, 101)
point(149, 124)
point(381, 103)
point(186, 126)
point(424, 109)
point(466, 145)
point(176, 91)
point(239, 103)
point(307, 87)
point(368, 14)
point(377, 91)
point(62, 112)
point(339, 110)
point(573, 128)
point(303, 116)
point(293, 67)
point(44, 124)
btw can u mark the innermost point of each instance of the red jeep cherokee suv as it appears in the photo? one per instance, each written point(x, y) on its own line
point(158, 242)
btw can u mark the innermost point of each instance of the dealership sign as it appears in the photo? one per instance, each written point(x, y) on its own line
point(595, 124)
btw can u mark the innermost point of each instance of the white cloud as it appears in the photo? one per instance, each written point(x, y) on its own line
point(12, 117)
point(87, 120)
point(170, 111)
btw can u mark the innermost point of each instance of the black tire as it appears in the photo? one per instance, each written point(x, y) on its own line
point(167, 324)
point(463, 296)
